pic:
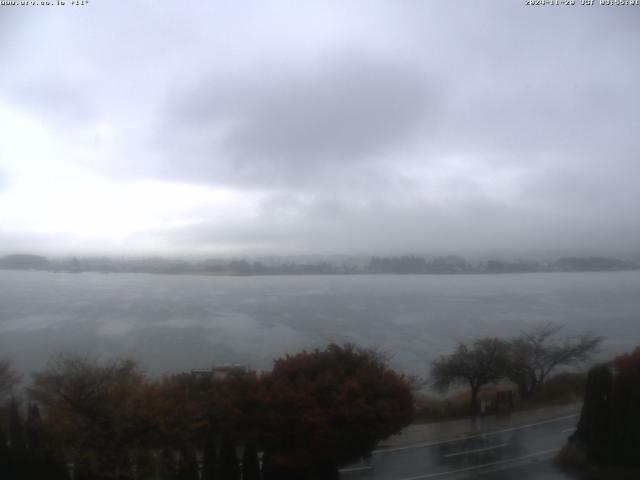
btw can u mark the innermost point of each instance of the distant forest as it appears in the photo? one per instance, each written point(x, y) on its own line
point(404, 264)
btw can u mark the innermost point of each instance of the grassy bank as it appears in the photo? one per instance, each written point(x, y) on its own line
point(562, 389)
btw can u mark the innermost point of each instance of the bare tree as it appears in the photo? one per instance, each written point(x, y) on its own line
point(9, 378)
point(485, 361)
point(538, 352)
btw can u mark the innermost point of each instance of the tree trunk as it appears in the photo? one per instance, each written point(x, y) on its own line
point(523, 390)
point(533, 384)
point(474, 399)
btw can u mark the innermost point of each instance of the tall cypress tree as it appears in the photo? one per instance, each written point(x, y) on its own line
point(188, 465)
point(16, 429)
point(36, 454)
point(250, 464)
point(42, 458)
point(5, 467)
point(17, 446)
point(229, 469)
point(210, 458)
point(594, 424)
point(34, 428)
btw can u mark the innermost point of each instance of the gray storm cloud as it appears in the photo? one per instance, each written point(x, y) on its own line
point(372, 126)
point(293, 124)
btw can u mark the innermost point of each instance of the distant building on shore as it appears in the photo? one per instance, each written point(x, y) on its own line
point(222, 372)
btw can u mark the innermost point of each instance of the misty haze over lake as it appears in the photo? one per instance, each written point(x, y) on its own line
point(174, 323)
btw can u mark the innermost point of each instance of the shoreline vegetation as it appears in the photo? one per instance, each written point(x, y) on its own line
point(606, 442)
point(565, 388)
point(285, 266)
point(90, 419)
point(94, 418)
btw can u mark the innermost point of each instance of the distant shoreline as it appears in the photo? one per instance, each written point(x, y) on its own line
point(292, 266)
point(306, 274)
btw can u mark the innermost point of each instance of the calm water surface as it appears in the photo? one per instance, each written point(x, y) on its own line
point(173, 323)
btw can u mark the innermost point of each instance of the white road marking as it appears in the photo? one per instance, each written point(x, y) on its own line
point(355, 469)
point(484, 465)
point(566, 430)
point(476, 450)
point(495, 432)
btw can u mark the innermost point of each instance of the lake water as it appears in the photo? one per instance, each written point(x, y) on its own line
point(174, 323)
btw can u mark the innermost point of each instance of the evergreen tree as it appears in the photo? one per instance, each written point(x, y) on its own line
point(35, 454)
point(250, 464)
point(229, 469)
point(210, 458)
point(188, 465)
point(33, 432)
point(4, 456)
point(17, 447)
point(42, 460)
point(16, 429)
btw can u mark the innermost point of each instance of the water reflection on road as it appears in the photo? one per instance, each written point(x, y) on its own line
point(517, 452)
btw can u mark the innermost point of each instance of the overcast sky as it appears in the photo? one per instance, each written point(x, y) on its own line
point(241, 127)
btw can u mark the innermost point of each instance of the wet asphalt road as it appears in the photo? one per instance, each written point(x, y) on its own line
point(522, 452)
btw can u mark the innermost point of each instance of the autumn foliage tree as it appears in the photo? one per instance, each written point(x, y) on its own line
point(96, 409)
point(213, 415)
point(181, 412)
point(329, 407)
point(313, 412)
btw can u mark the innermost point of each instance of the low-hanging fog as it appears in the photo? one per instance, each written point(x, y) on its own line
point(319, 127)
